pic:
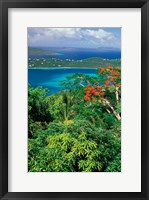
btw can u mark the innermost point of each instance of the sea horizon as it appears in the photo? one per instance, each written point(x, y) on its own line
point(78, 53)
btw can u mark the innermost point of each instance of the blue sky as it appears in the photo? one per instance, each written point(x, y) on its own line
point(74, 37)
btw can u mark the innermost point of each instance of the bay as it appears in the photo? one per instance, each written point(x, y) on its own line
point(50, 77)
point(81, 55)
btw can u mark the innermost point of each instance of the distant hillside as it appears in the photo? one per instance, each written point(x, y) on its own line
point(75, 49)
point(36, 51)
point(90, 62)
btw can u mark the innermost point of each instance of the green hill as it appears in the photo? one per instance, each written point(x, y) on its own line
point(90, 62)
point(36, 51)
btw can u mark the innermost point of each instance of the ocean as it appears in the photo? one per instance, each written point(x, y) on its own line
point(50, 77)
point(81, 54)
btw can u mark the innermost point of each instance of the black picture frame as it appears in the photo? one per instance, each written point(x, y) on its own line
point(4, 6)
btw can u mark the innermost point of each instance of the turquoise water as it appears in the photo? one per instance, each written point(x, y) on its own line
point(50, 77)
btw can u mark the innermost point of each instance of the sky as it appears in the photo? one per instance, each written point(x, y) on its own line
point(74, 37)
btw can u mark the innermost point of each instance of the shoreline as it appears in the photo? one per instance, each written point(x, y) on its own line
point(62, 67)
point(90, 63)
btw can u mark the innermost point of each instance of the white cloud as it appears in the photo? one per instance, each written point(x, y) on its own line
point(88, 37)
point(98, 34)
point(63, 32)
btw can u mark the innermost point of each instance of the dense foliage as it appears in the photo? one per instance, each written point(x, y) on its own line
point(79, 128)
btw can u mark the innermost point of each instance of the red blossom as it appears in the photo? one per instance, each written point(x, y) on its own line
point(88, 93)
point(107, 83)
point(102, 93)
point(114, 72)
point(96, 93)
point(86, 98)
point(112, 79)
point(110, 67)
point(99, 88)
point(101, 70)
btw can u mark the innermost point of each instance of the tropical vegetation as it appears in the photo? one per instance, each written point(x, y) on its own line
point(79, 128)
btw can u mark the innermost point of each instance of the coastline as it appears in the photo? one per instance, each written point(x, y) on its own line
point(46, 68)
point(90, 63)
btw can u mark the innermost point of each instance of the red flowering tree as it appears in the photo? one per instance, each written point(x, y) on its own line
point(109, 84)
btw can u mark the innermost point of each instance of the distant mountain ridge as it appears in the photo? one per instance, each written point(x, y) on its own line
point(38, 51)
point(55, 49)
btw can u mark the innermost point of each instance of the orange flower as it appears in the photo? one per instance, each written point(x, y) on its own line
point(107, 83)
point(101, 70)
point(88, 93)
point(112, 79)
point(102, 93)
point(92, 90)
point(109, 67)
point(87, 87)
point(114, 72)
point(96, 93)
point(86, 98)
point(99, 88)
